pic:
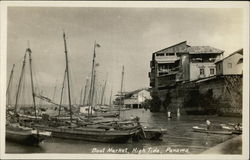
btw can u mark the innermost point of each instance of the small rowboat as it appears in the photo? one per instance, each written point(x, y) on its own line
point(204, 130)
point(151, 133)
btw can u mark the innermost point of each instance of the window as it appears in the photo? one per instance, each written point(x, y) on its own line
point(160, 54)
point(229, 65)
point(240, 61)
point(202, 72)
point(211, 71)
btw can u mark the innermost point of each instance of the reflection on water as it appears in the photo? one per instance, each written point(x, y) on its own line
point(179, 139)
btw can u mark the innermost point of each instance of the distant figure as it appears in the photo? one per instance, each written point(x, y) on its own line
point(208, 124)
point(237, 127)
point(169, 114)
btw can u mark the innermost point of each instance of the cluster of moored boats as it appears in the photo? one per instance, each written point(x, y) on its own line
point(31, 130)
point(107, 126)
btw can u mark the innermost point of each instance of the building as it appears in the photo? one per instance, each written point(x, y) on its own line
point(230, 65)
point(182, 62)
point(164, 65)
point(135, 98)
point(198, 62)
point(179, 64)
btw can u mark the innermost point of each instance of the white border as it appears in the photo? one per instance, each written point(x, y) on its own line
point(151, 4)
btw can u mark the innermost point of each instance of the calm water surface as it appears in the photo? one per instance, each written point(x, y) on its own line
point(180, 139)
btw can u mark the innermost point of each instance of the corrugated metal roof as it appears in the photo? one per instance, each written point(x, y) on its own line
point(201, 50)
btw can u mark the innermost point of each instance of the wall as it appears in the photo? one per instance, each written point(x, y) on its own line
point(218, 95)
point(219, 68)
point(236, 68)
point(195, 70)
point(184, 71)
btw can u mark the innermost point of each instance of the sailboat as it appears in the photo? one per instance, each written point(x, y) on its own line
point(14, 131)
point(84, 128)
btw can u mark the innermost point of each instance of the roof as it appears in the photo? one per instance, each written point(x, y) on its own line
point(240, 51)
point(162, 50)
point(201, 50)
point(129, 94)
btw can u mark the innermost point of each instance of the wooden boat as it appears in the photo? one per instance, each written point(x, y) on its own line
point(212, 131)
point(152, 133)
point(14, 131)
point(96, 134)
point(80, 129)
point(234, 128)
point(24, 135)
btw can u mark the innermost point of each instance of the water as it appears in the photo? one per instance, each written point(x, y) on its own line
point(180, 139)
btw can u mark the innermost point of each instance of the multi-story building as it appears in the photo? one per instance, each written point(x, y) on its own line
point(197, 62)
point(230, 65)
point(182, 62)
point(164, 65)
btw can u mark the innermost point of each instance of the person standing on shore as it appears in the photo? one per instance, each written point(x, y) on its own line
point(208, 124)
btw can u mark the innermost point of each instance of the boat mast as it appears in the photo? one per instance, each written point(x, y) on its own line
point(10, 80)
point(121, 91)
point(60, 105)
point(103, 90)
point(67, 71)
point(19, 84)
point(32, 83)
point(110, 100)
point(85, 92)
point(81, 96)
point(91, 81)
point(93, 92)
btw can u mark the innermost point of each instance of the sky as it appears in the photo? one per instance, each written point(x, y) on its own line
point(128, 36)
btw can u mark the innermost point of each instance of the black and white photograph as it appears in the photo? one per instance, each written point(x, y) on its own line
point(125, 80)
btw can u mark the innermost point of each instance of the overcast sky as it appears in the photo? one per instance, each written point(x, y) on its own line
point(128, 36)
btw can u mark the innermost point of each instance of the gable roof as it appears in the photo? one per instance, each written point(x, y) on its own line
point(129, 94)
point(240, 51)
point(162, 50)
point(201, 50)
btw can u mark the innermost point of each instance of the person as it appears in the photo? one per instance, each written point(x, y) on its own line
point(208, 124)
point(237, 127)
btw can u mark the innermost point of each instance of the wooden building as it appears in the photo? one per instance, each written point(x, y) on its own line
point(230, 65)
point(135, 98)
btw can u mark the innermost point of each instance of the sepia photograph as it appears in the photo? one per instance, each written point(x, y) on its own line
point(125, 80)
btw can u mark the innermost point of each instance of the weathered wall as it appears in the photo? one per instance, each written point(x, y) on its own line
point(221, 95)
point(195, 70)
point(236, 67)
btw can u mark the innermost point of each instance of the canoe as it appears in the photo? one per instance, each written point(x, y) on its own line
point(204, 130)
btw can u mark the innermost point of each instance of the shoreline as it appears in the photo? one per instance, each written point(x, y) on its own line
point(231, 146)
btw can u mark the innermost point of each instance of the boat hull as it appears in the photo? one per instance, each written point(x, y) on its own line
point(23, 137)
point(204, 130)
point(90, 134)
